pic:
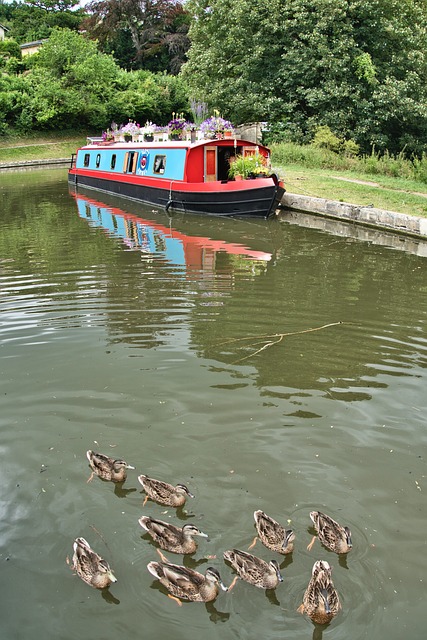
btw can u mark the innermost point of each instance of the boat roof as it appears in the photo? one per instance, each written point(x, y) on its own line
point(175, 144)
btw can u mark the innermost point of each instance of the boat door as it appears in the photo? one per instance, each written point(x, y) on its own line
point(210, 164)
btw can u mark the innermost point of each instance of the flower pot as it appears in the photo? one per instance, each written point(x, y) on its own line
point(128, 137)
point(148, 137)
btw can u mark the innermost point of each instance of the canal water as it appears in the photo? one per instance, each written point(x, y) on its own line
point(267, 365)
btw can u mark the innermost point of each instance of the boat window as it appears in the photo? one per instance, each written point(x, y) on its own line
point(86, 160)
point(113, 161)
point(130, 161)
point(98, 160)
point(159, 164)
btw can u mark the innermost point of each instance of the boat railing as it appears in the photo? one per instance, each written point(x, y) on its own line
point(94, 139)
point(73, 160)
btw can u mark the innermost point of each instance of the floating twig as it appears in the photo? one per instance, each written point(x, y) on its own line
point(273, 339)
point(100, 535)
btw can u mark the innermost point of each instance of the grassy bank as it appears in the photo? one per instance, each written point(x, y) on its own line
point(391, 194)
point(383, 183)
point(40, 147)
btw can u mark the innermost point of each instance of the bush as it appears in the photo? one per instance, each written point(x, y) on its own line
point(324, 138)
point(420, 168)
point(311, 156)
point(10, 49)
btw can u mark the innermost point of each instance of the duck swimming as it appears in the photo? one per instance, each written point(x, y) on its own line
point(184, 583)
point(331, 534)
point(107, 468)
point(320, 602)
point(172, 538)
point(163, 492)
point(90, 567)
point(272, 534)
point(265, 575)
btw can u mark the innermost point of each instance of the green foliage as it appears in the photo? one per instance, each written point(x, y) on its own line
point(10, 49)
point(375, 164)
point(357, 67)
point(71, 84)
point(246, 165)
point(12, 97)
point(32, 20)
point(420, 168)
point(396, 166)
point(364, 68)
point(309, 156)
point(324, 138)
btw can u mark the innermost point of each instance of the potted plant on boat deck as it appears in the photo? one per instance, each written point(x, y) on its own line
point(248, 166)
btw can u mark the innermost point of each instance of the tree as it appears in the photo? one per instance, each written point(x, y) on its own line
point(142, 34)
point(32, 20)
point(357, 66)
point(71, 84)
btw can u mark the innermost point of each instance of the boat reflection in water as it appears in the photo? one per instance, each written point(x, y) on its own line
point(184, 240)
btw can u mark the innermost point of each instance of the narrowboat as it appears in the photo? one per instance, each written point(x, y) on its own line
point(179, 175)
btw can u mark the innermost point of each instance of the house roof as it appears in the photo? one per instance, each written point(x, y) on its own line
point(36, 43)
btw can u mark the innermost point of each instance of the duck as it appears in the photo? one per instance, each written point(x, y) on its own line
point(184, 583)
point(163, 492)
point(272, 534)
point(107, 468)
point(90, 567)
point(172, 538)
point(262, 574)
point(320, 601)
point(331, 534)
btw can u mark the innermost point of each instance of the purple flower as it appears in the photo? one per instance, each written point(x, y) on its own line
point(131, 128)
point(215, 124)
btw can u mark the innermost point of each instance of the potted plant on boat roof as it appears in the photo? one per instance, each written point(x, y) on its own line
point(130, 130)
point(160, 133)
point(176, 127)
point(215, 127)
point(148, 131)
point(191, 131)
point(116, 132)
point(107, 136)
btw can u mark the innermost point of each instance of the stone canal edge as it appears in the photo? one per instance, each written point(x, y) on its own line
point(346, 212)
